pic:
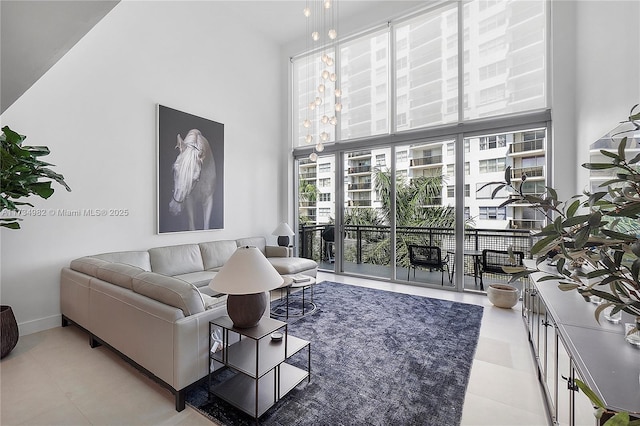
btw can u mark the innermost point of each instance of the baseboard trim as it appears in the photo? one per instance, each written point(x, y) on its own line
point(37, 325)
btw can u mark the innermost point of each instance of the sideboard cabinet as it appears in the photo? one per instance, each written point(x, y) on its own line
point(568, 343)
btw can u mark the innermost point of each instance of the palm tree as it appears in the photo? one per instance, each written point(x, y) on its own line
point(307, 192)
point(416, 207)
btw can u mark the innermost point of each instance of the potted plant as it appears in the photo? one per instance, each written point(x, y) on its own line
point(593, 238)
point(22, 174)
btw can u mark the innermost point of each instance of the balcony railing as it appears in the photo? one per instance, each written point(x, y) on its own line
point(358, 154)
point(529, 171)
point(359, 169)
point(357, 186)
point(359, 203)
point(532, 145)
point(362, 240)
point(308, 175)
point(307, 204)
point(526, 224)
point(516, 197)
point(425, 161)
point(433, 201)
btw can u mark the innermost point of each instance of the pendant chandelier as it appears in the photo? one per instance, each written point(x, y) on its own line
point(323, 103)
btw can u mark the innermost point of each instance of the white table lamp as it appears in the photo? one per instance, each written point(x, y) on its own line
point(283, 231)
point(246, 278)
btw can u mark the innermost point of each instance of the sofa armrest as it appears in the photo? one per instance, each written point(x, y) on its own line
point(278, 251)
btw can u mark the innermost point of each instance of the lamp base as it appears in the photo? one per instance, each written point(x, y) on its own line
point(246, 310)
point(283, 241)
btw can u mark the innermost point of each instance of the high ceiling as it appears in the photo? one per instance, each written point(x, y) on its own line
point(35, 34)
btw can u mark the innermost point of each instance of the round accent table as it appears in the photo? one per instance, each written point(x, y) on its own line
point(290, 285)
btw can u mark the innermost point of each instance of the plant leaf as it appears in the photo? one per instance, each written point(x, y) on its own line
point(589, 393)
point(571, 211)
point(620, 419)
point(568, 286)
point(621, 147)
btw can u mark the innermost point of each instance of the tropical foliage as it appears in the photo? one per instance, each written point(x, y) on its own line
point(22, 174)
point(417, 205)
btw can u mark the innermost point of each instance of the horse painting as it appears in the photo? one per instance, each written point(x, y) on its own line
point(194, 178)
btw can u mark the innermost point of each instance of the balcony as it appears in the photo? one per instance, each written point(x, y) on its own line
point(362, 245)
point(522, 202)
point(426, 161)
point(526, 224)
point(310, 175)
point(359, 203)
point(526, 146)
point(359, 169)
point(434, 201)
point(530, 172)
point(359, 186)
point(307, 204)
point(359, 154)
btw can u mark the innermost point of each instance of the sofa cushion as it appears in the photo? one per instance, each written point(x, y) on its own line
point(88, 265)
point(119, 274)
point(259, 242)
point(133, 258)
point(216, 253)
point(292, 265)
point(212, 301)
point(176, 260)
point(199, 279)
point(170, 291)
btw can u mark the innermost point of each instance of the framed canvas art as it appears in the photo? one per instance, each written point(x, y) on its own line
point(190, 172)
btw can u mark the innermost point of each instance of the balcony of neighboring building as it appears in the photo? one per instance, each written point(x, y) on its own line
point(426, 162)
point(358, 155)
point(533, 172)
point(526, 148)
point(532, 224)
point(359, 169)
point(359, 203)
point(524, 203)
point(307, 204)
point(308, 174)
point(359, 186)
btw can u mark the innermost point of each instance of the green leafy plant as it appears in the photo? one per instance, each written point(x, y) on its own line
point(593, 238)
point(23, 174)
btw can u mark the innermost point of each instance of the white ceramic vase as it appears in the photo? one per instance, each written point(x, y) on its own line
point(503, 295)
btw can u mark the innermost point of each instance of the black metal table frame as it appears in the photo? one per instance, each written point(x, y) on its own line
point(288, 291)
point(224, 359)
point(477, 264)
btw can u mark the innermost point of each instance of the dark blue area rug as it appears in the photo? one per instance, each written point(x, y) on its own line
point(377, 358)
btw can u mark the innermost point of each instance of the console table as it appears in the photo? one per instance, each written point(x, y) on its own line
point(568, 343)
point(261, 376)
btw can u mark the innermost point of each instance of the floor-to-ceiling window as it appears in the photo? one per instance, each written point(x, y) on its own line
point(434, 106)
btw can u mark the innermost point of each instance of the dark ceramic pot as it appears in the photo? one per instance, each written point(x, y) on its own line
point(8, 330)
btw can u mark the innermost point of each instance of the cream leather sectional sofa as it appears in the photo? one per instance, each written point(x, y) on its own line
point(154, 306)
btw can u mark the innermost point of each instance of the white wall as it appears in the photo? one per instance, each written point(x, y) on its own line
point(96, 110)
point(608, 71)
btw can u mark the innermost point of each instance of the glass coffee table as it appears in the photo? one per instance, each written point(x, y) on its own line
point(290, 285)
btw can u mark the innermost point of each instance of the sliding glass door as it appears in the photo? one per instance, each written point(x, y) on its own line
point(424, 212)
point(366, 238)
point(499, 232)
point(316, 210)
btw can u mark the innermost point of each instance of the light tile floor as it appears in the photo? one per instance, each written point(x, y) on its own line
point(55, 378)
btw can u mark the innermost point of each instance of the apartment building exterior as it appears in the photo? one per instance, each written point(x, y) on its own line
point(503, 72)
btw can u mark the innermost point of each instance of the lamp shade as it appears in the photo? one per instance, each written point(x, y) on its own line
point(283, 230)
point(246, 272)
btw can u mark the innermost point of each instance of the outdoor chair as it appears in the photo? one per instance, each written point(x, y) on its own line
point(328, 236)
point(494, 260)
point(427, 257)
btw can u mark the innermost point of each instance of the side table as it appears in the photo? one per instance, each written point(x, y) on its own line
point(261, 376)
point(291, 284)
